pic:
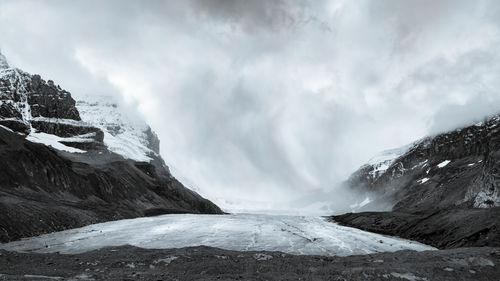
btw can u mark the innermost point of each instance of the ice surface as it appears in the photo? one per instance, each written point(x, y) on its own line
point(290, 234)
point(443, 164)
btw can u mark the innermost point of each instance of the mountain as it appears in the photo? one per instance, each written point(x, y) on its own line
point(458, 168)
point(66, 164)
point(443, 190)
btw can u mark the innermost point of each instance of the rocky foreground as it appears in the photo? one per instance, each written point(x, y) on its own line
point(205, 263)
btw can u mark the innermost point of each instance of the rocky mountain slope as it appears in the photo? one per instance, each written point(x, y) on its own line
point(66, 164)
point(445, 186)
point(458, 168)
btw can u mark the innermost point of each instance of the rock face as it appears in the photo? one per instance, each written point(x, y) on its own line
point(58, 171)
point(455, 169)
point(49, 100)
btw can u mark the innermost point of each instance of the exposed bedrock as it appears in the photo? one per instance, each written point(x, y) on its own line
point(44, 190)
point(67, 130)
point(48, 100)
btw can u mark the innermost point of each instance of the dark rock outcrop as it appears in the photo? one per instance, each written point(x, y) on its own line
point(7, 110)
point(49, 100)
point(16, 125)
point(66, 130)
point(153, 140)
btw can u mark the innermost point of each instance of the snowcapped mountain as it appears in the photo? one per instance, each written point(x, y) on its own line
point(442, 190)
point(124, 134)
point(377, 165)
point(46, 112)
point(66, 164)
point(458, 168)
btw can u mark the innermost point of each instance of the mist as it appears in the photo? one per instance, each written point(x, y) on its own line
point(270, 105)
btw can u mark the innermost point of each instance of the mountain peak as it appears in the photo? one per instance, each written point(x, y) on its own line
point(3, 61)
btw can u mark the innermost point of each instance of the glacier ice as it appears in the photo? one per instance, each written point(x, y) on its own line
point(289, 234)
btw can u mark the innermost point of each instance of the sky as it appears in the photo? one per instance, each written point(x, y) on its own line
point(261, 103)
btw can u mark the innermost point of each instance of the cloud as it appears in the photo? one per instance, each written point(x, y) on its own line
point(273, 15)
point(261, 103)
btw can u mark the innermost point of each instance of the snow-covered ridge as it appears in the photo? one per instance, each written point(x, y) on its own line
point(43, 106)
point(382, 161)
point(124, 133)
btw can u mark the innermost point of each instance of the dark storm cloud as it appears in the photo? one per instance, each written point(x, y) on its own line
point(259, 103)
point(272, 15)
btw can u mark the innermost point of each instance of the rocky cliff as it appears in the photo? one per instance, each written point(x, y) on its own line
point(66, 164)
point(459, 168)
point(442, 190)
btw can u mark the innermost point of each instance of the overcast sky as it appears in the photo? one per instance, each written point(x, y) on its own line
point(258, 103)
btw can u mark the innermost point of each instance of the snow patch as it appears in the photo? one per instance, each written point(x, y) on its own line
point(54, 141)
point(127, 146)
point(424, 180)
point(443, 164)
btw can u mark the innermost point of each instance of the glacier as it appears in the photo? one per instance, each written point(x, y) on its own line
point(301, 235)
point(124, 133)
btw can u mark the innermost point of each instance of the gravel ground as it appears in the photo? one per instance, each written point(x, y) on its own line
point(205, 263)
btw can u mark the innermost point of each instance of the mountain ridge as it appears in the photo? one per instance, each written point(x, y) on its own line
point(444, 190)
point(60, 170)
